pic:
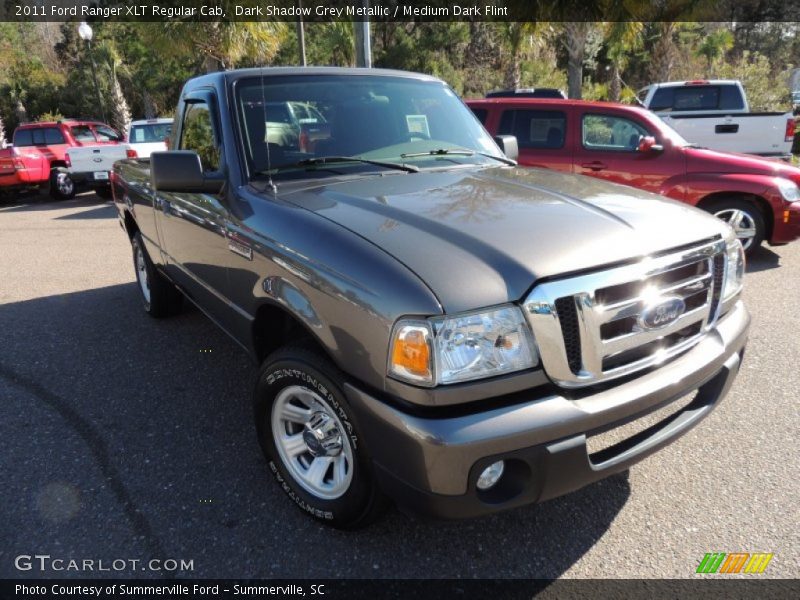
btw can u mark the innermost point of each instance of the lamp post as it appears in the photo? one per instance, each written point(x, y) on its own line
point(85, 32)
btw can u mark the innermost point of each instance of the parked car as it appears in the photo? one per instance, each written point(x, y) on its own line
point(528, 93)
point(433, 323)
point(149, 135)
point(38, 153)
point(796, 101)
point(715, 114)
point(630, 145)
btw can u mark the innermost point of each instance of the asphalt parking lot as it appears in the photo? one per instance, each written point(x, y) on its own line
point(124, 437)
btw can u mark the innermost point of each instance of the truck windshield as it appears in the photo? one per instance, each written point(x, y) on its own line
point(287, 120)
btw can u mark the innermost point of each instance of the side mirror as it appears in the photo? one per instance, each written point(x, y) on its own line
point(181, 171)
point(508, 144)
point(647, 144)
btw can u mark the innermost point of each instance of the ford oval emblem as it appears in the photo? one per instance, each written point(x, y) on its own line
point(661, 312)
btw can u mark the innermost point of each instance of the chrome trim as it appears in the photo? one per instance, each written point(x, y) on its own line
point(540, 310)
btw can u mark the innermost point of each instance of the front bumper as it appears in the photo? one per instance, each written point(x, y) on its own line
point(787, 224)
point(430, 465)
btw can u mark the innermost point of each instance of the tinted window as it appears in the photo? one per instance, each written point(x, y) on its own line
point(106, 134)
point(198, 135)
point(730, 98)
point(481, 113)
point(23, 137)
point(535, 128)
point(699, 97)
point(82, 133)
point(53, 135)
point(606, 132)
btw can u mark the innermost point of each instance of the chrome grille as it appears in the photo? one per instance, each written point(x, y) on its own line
point(590, 327)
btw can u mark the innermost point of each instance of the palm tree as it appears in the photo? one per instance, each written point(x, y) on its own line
point(515, 34)
point(714, 45)
point(622, 39)
point(221, 44)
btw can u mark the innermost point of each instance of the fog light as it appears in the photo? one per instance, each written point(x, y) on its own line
point(491, 475)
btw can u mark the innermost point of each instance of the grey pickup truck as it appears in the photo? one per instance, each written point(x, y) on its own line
point(433, 324)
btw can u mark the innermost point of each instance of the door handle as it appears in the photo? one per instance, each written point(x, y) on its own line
point(594, 166)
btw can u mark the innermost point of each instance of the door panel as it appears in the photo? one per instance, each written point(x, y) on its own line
point(542, 136)
point(607, 149)
point(193, 226)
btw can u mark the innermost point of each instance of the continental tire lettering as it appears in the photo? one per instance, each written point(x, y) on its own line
point(320, 514)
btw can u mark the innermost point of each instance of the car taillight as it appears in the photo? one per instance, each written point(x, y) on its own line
point(304, 142)
point(789, 130)
point(18, 164)
point(131, 153)
point(67, 160)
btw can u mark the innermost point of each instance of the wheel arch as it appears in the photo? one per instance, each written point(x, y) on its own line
point(760, 202)
point(275, 326)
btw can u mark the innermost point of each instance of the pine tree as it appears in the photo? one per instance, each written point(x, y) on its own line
point(120, 113)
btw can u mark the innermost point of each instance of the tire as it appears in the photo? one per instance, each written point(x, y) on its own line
point(744, 217)
point(159, 297)
point(309, 389)
point(104, 192)
point(61, 185)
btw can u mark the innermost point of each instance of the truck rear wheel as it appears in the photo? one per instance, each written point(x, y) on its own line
point(159, 297)
point(311, 440)
point(744, 218)
point(61, 185)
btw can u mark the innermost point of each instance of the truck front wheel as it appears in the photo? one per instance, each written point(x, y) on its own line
point(311, 439)
point(61, 185)
point(744, 218)
point(159, 297)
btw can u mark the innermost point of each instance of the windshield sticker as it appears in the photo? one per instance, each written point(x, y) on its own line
point(418, 124)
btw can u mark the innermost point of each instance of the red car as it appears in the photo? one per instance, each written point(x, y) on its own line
point(37, 154)
point(759, 198)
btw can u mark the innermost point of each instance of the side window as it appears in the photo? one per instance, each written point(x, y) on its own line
point(82, 133)
point(23, 137)
point(53, 136)
point(730, 98)
point(481, 113)
point(607, 132)
point(536, 129)
point(198, 135)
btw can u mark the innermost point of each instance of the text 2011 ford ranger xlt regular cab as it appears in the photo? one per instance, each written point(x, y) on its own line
point(433, 323)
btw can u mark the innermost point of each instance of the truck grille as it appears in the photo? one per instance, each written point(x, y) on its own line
point(608, 324)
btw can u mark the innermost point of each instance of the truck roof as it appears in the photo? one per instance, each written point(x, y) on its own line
point(233, 75)
point(696, 82)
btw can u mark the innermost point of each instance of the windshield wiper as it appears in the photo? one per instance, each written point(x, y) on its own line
point(324, 160)
point(459, 152)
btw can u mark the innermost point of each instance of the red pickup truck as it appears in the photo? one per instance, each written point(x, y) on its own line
point(37, 154)
point(759, 198)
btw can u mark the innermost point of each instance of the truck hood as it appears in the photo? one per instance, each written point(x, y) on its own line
point(482, 237)
point(702, 160)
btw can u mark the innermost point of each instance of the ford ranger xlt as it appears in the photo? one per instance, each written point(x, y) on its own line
point(433, 325)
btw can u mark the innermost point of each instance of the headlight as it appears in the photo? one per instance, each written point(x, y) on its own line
point(734, 272)
point(463, 347)
point(788, 189)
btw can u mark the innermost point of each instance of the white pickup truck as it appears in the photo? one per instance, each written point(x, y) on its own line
point(715, 114)
point(91, 165)
point(148, 136)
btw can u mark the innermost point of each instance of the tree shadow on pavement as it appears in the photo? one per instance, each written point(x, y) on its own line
point(150, 422)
